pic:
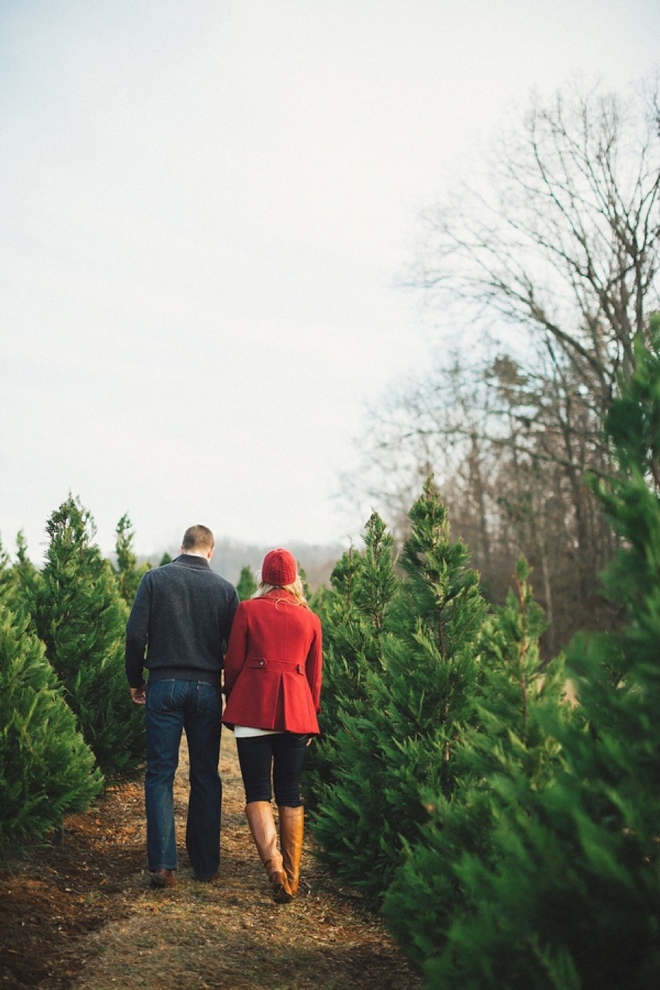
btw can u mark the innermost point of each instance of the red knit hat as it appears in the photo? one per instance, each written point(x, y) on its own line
point(279, 567)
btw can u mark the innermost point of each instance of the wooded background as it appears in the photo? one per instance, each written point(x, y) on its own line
point(539, 273)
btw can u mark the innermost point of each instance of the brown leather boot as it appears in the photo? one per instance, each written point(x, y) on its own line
point(262, 825)
point(292, 827)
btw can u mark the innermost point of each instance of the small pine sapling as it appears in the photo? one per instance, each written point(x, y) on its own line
point(129, 572)
point(18, 581)
point(247, 584)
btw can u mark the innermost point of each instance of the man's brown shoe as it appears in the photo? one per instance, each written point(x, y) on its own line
point(163, 878)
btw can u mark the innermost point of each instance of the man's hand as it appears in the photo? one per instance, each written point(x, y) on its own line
point(139, 695)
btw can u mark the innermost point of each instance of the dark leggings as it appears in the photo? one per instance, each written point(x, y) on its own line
point(285, 753)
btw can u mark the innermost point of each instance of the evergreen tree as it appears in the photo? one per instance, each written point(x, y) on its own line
point(80, 616)
point(307, 591)
point(165, 559)
point(129, 574)
point(354, 617)
point(25, 572)
point(575, 903)
point(16, 580)
point(46, 769)
point(247, 585)
point(509, 746)
point(6, 577)
point(402, 738)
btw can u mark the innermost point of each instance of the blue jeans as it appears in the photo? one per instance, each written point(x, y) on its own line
point(284, 753)
point(174, 705)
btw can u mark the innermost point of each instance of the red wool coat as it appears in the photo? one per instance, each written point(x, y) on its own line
point(273, 665)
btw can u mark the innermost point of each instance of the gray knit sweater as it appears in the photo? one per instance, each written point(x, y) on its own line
point(181, 617)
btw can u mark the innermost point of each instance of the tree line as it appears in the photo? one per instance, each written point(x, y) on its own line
point(542, 269)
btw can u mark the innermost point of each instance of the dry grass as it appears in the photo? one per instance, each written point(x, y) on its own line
point(90, 921)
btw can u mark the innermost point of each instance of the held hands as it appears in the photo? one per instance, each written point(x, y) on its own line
point(139, 695)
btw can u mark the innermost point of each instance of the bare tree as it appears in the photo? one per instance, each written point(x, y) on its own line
point(564, 244)
point(553, 258)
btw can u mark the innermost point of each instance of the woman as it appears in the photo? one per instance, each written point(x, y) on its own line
point(273, 685)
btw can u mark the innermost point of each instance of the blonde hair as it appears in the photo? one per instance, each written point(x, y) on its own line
point(296, 589)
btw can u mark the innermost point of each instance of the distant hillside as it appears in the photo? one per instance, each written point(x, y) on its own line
point(317, 560)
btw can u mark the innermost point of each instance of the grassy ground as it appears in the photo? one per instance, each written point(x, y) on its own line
point(81, 915)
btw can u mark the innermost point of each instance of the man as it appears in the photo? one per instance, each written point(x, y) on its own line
point(182, 616)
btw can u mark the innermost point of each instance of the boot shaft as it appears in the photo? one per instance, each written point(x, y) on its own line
point(262, 826)
point(292, 829)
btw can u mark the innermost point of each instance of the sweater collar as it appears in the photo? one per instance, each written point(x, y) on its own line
point(191, 560)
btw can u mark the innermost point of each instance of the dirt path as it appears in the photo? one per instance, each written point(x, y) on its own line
point(81, 915)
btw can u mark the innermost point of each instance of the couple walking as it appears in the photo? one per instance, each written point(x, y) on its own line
point(182, 617)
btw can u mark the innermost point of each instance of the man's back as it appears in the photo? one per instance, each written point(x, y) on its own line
point(183, 614)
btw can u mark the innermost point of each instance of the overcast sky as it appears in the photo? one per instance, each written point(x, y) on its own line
point(206, 205)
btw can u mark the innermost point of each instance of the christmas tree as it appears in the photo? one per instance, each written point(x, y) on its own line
point(81, 617)
point(247, 585)
point(46, 769)
point(17, 579)
point(6, 576)
point(354, 617)
point(401, 737)
point(129, 574)
point(508, 747)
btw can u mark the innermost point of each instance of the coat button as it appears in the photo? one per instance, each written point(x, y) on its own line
point(299, 669)
point(262, 663)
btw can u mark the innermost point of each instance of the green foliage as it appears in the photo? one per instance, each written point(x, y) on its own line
point(6, 577)
point(165, 559)
point(567, 895)
point(354, 618)
point(307, 591)
point(129, 574)
point(46, 770)
point(247, 585)
point(510, 747)
point(80, 616)
point(16, 579)
point(398, 721)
